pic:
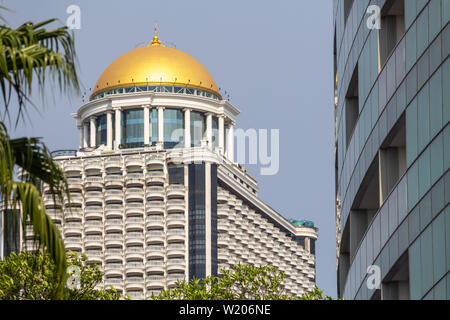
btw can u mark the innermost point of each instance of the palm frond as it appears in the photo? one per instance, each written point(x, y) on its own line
point(25, 196)
point(33, 52)
point(36, 162)
point(33, 209)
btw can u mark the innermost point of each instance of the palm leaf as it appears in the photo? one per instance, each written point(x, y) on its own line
point(28, 154)
point(33, 52)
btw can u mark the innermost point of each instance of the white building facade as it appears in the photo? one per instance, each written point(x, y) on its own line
point(155, 194)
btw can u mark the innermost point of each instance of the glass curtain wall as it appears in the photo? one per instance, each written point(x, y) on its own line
point(198, 126)
point(215, 132)
point(153, 127)
point(133, 128)
point(173, 129)
point(101, 134)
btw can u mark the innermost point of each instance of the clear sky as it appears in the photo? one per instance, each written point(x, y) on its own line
point(273, 57)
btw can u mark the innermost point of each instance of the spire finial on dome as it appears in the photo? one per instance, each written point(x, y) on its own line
point(155, 41)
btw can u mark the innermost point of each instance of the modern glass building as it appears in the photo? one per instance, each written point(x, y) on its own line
point(392, 112)
point(155, 193)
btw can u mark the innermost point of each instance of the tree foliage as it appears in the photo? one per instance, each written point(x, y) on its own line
point(240, 282)
point(30, 55)
point(33, 276)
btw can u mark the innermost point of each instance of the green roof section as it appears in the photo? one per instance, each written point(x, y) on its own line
point(302, 223)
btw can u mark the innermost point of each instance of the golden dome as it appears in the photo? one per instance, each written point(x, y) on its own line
point(156, 65)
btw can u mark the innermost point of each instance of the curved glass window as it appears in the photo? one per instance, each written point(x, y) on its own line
point(150, 88)
point(173, 129)
point(215, 132)
point(153, 127)
point(133, 128)
point(198, 126)
point(100, 135)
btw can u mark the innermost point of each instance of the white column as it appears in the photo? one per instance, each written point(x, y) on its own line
point(230, 142)
point(221, 134)
point(109, 131)
point(161, 125)
point(187, 128)
point(118, 138)
point(93, 132)
point(81, 131)
point(147, 125)
point(208, 257)
point(209, 130)
point(86, 135)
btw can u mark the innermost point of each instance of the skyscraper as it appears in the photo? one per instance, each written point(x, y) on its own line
point(392, 111)
point(155, 193)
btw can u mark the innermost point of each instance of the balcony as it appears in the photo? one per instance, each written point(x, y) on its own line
point(113, 210)
point(114, 180)
point(176, 264)
point(136, 295)
point(94, 197)
point(222, 226)
point(49, 203)
point(155, 222)
point(94, 182)
point(113, 225)
point(134, 194)
point(155, 236)
point(134, 283)
point(154, 291)
point(134, 253)
point(176, 191)
point(155, 282)
point(113, 164)
point(173, 279)
point(176, 220)
point(176, 235)
point(95, 256)
point(70, 212)
point(134, 179)
point(154, 252)
point(155, 207)
point(222, 196)
point(134, 238)
point(134, 268)
point(222, 211)
point(222, 240)
point(93, 226)
point(93, 165)
point(114, 273)
point(175, 250)
point(116, 283)
point(222, 255)
point(155, 193)
point(94, 212)
point(154, 266)
point(93, 242)
point(113, 240)
point(134, 224)
point(115, 255)
point(222, 265)
point(73, 244)
point(72, 228)
point(73, 166)
point(155, 177)
point(154, 161)
point(176, 205)
point(134, 208)
point(75, 183)
point(134, 162)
